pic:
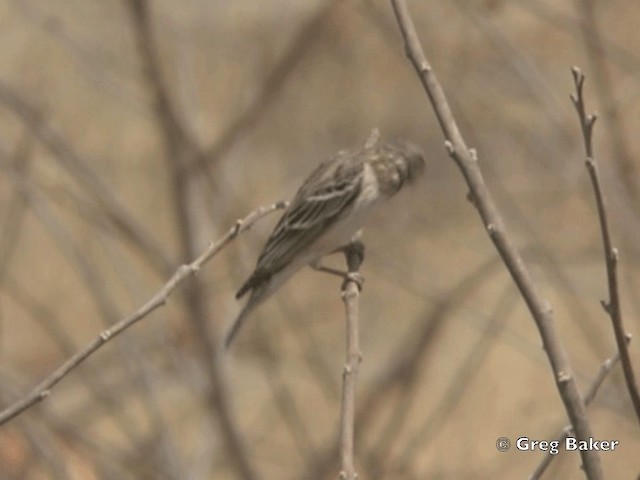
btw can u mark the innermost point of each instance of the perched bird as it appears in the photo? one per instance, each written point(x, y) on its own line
point(327, 211)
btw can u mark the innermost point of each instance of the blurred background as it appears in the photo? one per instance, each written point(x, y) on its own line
point(133, 133)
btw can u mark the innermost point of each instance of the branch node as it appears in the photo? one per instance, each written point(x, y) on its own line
point(424, 67)
point(356, 278)
point(591, 163)
point(548, 309)
point(606, 306)
point(184, 269)
point(236, 228)
point(564, 377)
point(578, 78)
point(449, 146)
point(473, 153)
point(614, 255)
point(105, 335)
point(491, 228)
point(471, 198)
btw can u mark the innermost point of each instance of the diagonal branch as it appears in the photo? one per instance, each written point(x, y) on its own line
point(43, 389)
point(612, 307)
point(589, 397)
point(539, 307)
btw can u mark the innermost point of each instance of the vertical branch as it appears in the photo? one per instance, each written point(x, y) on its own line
point(180, 148)
point(612, 307)
point(354, 254)
point(539, 307)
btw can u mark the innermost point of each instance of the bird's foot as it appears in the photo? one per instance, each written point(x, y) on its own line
point(346, 276)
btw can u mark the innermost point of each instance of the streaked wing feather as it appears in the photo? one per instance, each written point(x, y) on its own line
point(305, 222)
point(319, 203)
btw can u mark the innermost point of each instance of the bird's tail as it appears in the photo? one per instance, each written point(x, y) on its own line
point(254, 299)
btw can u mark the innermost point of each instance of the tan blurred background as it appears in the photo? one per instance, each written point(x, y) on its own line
point(97, 209)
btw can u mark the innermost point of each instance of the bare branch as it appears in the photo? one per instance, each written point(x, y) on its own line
point(354, 254)
point(539, 307)
point(42, 390)
point(612, 307)
point(589, 397)
point(404, 365)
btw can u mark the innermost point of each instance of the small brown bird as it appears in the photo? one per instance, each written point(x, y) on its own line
point(327, 211)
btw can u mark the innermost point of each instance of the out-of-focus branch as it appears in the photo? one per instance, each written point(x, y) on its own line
point(165, 110)
point(589, 397)
point(453, 394)
point(539, 307)
point(42, 390)
point(623, 55)
point(612, 307)
point(14, 214)
point(627, 170)
point(79, 169)
point(180, 149)
point(354, 254)
point(275, 80)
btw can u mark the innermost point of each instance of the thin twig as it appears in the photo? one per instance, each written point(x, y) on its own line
point(354, 254)
point(405, 364)
point(605, 368)
point(612, 307)
point(42, 390)
point(539, 307)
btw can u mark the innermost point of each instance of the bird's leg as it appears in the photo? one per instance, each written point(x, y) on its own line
point(318, 267)
point(354, 255)
point(353, 248)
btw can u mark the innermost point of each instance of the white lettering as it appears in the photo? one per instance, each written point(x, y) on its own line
point(522, 443)
point(590, 445)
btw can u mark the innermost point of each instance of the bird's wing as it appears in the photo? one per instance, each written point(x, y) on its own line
point(321, 201)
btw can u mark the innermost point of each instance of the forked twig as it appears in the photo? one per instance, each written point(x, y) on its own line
point(612, 307)
point(589, 397)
